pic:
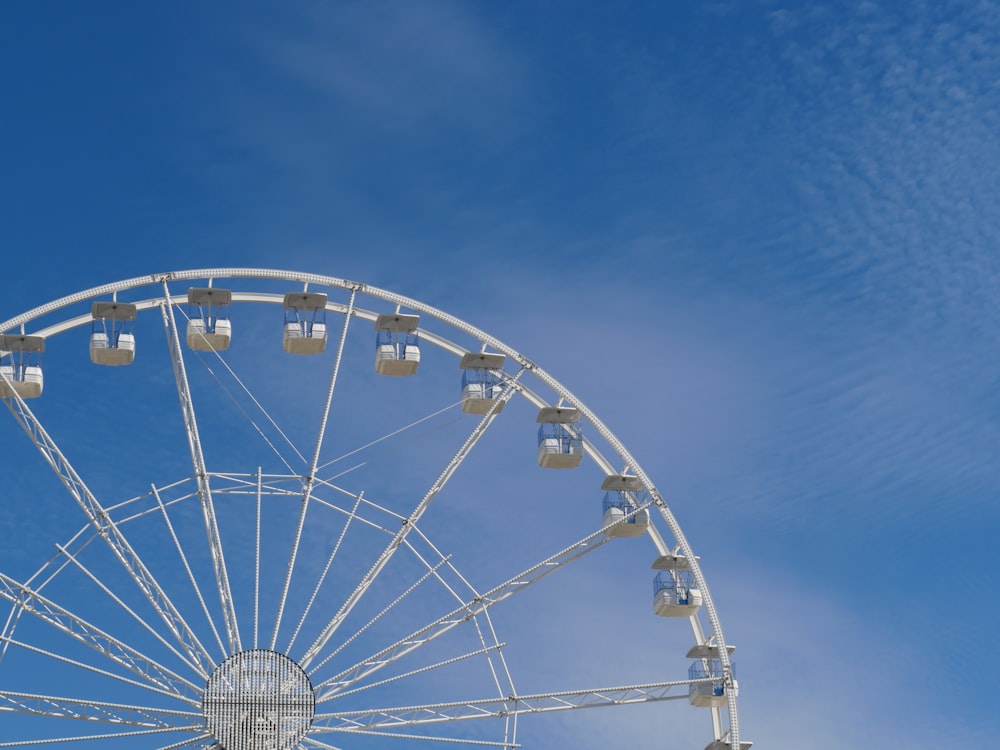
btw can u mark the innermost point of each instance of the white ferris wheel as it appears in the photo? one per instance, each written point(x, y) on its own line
point(232, 529)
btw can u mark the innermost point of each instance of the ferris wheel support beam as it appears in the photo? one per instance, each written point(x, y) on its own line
point(256, 558)
point(408, 524)
point(108, 736)
point(326, 569)
point(7, 640)
point(491, 708)
point(109, 532)
point(193, 741)
point(309, 742)
point(117, 600)
point(348, 677)
point(487, 648)
point(395, 602)
point(717, 637)
point(157, 676)
point(464, 742)
point(187, 565)
point(201, 476)
point(311, 475)
point(423, 670)
point(96, 711)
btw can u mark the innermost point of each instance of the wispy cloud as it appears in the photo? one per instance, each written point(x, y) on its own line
point(398, 65)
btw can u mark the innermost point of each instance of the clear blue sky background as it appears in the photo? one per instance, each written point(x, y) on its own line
point(759, 239)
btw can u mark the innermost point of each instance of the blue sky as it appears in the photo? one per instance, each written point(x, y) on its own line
point(758, 239)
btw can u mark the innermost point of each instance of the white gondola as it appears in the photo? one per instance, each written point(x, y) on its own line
point(112, 341)
point(22, 372)
point(209, 327)
point(305, 323)
point(560, 444)
point(622, 516)
point(201, 337)
point(674, 595)
point(481, 382)
point(397, 346)
point(707, 694)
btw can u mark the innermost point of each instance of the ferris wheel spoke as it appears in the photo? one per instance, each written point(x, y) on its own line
point(99, 518)
point(201, 475)
point(330, 688)
point(395, 602)
point(491, 646)
point(256, 557)
point(187, 567)
point(54, 657)
point(99, 737)
point(153, 673)
point(251, 420)
point(310, 742)
point(487, 648)
point(489, 655)
point(492, 708)
point(423, 670)
point(204, 738)
point(445, 560)
point(421, 738)
point(408, 524)
point(348, 314)
point(326, 569)
point(123, 606)
point(383, 438)
point(311, 475)
point(97, 711)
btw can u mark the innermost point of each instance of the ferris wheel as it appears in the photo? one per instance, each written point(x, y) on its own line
point(281, 510)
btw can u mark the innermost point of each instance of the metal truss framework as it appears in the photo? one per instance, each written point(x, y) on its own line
point(514, 705)
point(201, 476)
point(192, 665)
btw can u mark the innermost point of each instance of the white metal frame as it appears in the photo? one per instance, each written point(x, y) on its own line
point(130, 667)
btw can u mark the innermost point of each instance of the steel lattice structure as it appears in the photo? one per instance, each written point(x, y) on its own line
point(297, 557)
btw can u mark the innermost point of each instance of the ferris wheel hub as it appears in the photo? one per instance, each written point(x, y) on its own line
point(259, 700)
